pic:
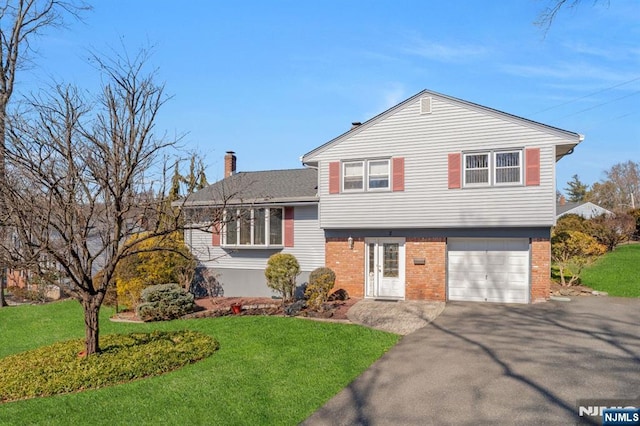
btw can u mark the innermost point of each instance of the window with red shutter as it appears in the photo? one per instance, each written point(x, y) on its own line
point(454, 171)
point(532, 160)
point(334, 177)
point(288, 226)
point(398, 174)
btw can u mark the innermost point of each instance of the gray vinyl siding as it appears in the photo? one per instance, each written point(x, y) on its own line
point(248, 282)
point(308, 246)
point(425, 140)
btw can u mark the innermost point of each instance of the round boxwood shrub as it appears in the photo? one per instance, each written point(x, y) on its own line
point(164, 302)
point(321, 282)
point(282, 270)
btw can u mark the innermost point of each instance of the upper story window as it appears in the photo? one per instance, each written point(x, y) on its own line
point(492, 168)
point(378, 174)
point(366, 175)
point(253, 227)
point(476, 169)
point(353, 176)
point(508, 167)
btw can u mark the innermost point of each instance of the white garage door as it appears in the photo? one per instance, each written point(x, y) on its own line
point(488, 269)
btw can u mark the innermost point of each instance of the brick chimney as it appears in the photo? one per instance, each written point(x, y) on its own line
point(563, 200)
point(229, 163)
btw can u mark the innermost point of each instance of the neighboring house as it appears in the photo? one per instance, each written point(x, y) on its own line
point(434, 199)
point(587, 209)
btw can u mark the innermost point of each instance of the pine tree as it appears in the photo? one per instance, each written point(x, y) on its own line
point(576, 190)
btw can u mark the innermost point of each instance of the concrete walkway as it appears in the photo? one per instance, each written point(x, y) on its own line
point(482, 363)
point(400, 317)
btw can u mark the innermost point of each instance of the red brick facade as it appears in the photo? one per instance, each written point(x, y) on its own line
point(426, 281)
point(540, 269)
point(347, 263)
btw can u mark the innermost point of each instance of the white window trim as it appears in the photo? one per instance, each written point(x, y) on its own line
point(267, 227)
point(365, 175)
point(343, 175)
point(388, 175)
point(491, 159)
point(495, 168)
point(464, 170)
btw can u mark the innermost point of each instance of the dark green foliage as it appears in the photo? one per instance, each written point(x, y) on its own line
point(321, 282)
point(58, 368)
point(282, 270)
point(576, 190)
point(572, 222)
point(164, 302)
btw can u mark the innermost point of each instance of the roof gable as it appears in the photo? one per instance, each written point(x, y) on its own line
point(572, 137)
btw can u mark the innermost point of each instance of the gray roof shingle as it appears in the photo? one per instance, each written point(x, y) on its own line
point(270, 186)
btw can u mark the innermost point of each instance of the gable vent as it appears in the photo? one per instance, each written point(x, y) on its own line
point(425, 105)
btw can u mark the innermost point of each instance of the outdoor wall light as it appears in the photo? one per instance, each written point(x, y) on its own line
point(350, 241)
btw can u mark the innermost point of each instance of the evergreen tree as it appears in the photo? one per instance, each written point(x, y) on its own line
point(576, 190)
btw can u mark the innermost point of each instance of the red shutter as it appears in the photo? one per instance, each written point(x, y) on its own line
point(532, 161)
point(288, 226)
point(398, 174)
point(334, 177)
point(215, 235)
point(454, 170)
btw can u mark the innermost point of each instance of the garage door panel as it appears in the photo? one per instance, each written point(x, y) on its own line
point(489, 269)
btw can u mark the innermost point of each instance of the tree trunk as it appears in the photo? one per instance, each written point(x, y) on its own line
point(91, 307)
point(3, 233)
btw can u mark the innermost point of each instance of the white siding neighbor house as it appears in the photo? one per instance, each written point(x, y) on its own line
point(436, 198)
point(587, 210)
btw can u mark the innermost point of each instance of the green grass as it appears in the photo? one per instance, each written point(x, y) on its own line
point(617, 272)
point(268, 370)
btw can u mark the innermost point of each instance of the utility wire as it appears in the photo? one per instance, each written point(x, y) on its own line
point(587, 95)
point(601, 104)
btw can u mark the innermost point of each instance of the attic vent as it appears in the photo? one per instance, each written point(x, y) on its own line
point(425, 105)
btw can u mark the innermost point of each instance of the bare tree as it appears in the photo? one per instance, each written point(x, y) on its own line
point(620, 190)
point(20, 22)
point(76, 172)
point(549, 14)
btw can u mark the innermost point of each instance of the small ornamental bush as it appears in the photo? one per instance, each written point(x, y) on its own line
point(321, 282)
point(153, 260)
point(164, 302)
point(572, 251)
point(282, 270)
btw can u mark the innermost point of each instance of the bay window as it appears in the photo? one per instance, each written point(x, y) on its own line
point(261, 227)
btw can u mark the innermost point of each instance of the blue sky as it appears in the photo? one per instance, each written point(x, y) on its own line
point(272, 80)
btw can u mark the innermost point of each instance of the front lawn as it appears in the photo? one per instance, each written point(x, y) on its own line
point(268, 370)
point(617, 272)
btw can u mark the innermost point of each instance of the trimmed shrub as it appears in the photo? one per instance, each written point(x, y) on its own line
point(282, 270)
point(164, 302)
point(321, 282)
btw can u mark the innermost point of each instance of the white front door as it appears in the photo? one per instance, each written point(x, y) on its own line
point(384, 269)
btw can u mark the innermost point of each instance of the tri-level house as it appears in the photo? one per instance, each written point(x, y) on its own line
point(436, 198)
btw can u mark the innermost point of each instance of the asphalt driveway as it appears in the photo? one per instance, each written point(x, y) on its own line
point(481, 363)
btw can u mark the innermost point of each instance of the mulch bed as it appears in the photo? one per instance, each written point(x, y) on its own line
point(211, 307)
point(574, 290)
